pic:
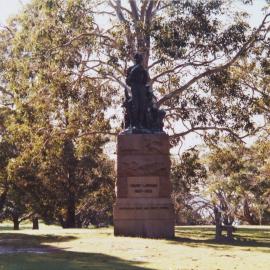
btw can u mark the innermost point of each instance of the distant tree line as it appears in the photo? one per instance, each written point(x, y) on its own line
point(229, 183)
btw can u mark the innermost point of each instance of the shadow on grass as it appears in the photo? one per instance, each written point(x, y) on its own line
point(10, 228)
point(65, 260)
point(18, 240)
point(32, 252)
point(205, 237)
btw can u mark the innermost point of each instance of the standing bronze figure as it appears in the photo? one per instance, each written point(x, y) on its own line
point(137, 79)
point(141, 112)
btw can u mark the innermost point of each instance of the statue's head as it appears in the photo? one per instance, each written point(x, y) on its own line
point(138, 58)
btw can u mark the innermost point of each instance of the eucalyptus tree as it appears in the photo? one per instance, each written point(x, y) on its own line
point(57, 108)
point(257, 202)
point(192, 50)
point(238, 182)
point(231, 181)
point(223, 186)
point(188, 176)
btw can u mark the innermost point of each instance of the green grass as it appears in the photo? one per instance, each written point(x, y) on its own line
point(52, 248)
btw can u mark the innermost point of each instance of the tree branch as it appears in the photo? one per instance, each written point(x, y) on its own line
point(208, 72)
point(96, 133)
point(208, 128)
point(194, 64)
point(143, 9)
point(134, 9)
point(4, 91)
point(118, 9)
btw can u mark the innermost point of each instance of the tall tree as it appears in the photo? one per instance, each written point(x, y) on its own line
point(188, 175)
point(238, 183)
point(57, 107)
point(191, 50)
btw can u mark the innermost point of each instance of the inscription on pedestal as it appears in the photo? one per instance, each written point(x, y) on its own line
point(143, 187)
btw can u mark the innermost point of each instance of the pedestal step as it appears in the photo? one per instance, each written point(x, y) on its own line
point(150, 228)
point(153, 218)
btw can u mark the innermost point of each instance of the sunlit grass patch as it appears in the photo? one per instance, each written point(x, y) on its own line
point(193, 248)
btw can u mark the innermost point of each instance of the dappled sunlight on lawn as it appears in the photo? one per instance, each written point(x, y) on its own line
point(245, 237)
point(193, 248)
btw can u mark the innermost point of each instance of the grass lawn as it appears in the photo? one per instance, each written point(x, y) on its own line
point(52, 248)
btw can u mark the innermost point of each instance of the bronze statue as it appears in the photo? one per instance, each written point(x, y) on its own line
point(137, 79)
point(141, 112)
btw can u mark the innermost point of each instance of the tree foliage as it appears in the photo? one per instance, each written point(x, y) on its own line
point(187, 176)
point(238, 184)
point(192, 50)
point(55, 107)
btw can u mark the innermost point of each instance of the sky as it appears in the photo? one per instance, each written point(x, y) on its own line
point(11, 7)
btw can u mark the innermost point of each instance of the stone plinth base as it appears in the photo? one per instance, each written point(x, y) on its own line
point(153, 218)
point(143, 207)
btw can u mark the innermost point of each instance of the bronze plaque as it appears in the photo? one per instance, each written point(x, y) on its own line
point(143, 187)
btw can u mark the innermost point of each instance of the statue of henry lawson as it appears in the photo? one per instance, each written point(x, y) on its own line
point(141, 112)
point(137, 79)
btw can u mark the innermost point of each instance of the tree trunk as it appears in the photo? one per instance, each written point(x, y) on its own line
point(3, 197)
point(16, 223)
point(71, 218)
point(79, 223)
point(218, 224)
point(35, 223)
point(70, 163)
point(61, 221)
point(249, 217)
point(230, 233)
point(218, 232)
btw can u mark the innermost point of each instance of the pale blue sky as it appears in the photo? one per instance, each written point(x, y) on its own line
point(10, 7)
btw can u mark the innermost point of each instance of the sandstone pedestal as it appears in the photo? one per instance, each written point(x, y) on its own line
point(143, 207)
